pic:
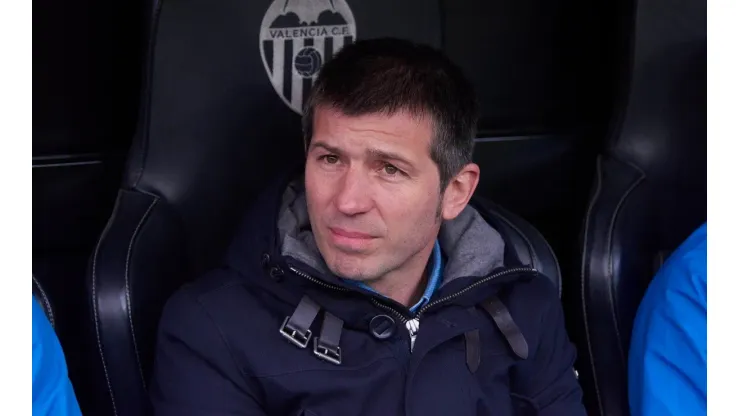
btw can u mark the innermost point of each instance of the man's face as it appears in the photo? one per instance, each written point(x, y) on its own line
point(373, 192)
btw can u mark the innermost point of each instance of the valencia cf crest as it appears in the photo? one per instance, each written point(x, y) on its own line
point(297, 37)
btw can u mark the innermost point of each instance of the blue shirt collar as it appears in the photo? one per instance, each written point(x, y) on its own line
point(435, 278)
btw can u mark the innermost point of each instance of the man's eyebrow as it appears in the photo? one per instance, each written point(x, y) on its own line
point(386, 155)
point(325, 146)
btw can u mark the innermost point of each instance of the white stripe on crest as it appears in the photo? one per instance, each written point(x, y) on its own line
point(278, 56)
point(296, 90)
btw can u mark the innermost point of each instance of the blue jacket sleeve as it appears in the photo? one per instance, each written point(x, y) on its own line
point(52, 390)
point(668, 351)
point(195, 373)
point(546, 382)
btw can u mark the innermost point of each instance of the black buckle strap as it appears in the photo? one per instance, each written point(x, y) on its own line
point(326, 346)
point(507, 326)
point(296, 327)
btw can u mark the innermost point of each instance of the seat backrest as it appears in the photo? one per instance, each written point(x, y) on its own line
point(85, 98)
point(219, 118)
point(650, 189)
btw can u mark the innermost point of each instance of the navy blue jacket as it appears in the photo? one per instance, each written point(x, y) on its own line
point(491, 341)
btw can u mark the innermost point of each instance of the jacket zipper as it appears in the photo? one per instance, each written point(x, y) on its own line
point(317, 281)
point(413, 324)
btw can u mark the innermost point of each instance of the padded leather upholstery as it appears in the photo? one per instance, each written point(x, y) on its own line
point(531, 247)
point(212, 131)
point(139, 261)
point(649, 192)
point(43, 299)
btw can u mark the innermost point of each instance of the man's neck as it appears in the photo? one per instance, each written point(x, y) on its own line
point(406, 285)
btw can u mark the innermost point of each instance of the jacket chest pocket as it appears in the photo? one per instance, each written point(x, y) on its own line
point(484, 350)
point(446, 383)
point(487, 361)
point(489, 382)
point(482, 361)
point(306, 412)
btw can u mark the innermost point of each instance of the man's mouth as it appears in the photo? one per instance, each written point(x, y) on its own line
point(350, 234)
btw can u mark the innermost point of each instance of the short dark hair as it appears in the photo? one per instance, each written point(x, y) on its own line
point(388, 75)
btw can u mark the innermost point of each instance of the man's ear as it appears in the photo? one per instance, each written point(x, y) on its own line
point(458, 192)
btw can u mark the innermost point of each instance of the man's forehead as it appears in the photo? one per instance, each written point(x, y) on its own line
point(398, 129)
point(415, 117)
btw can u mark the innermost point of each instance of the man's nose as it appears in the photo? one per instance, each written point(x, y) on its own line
point(353, 193)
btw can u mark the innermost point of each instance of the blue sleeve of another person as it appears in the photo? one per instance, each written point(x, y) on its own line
point(52, 391)
point(668, 353)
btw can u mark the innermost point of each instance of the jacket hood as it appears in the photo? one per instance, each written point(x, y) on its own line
point(470, 245)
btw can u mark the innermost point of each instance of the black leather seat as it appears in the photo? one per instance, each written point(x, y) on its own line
point(43, 299)
point(213, 130)
point(649, 192)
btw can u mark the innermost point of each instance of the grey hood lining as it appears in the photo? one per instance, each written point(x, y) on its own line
point(470, 245)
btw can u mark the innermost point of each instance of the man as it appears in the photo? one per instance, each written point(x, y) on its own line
point(369, 286)
point(52, 391)
point(668, 352)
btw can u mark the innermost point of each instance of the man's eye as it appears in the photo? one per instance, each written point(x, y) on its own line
point(390, 169)
point(330, 159)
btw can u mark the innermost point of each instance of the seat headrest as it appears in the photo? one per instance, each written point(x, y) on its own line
point(227, 83)
point(664, 107)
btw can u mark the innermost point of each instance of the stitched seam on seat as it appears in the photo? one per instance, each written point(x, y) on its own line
point(589, 212)
point(128, 291)
point(532, 253)
point(47, 304)
point(95, 303)
point(557, 267)
point(610, 263)
point(610, 236)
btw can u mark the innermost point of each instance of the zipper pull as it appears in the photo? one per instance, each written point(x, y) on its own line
point(412, 326)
